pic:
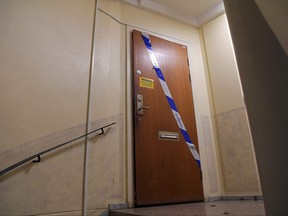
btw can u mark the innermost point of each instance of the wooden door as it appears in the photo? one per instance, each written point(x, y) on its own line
point(165, 170)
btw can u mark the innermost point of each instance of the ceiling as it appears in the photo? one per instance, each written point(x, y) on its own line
point(193, 12)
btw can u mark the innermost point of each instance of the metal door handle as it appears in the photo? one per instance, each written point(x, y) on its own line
point(143, 107)
point(140, 107)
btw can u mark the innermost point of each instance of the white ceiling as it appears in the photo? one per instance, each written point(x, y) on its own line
point(193, 12)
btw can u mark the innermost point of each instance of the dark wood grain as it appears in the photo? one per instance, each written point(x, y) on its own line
point(165, 171)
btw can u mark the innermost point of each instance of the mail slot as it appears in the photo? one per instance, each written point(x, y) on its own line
point(168, 136)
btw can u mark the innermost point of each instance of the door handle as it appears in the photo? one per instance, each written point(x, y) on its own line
point(143, 107)
point(140, 107)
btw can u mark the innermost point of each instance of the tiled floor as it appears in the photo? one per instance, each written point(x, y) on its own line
point(216, 208)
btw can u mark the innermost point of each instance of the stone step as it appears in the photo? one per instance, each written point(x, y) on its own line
point(216, 208)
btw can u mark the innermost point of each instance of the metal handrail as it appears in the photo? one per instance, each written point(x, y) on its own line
point(38, 155)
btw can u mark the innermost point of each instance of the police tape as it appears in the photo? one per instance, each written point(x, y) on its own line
point(169, 97)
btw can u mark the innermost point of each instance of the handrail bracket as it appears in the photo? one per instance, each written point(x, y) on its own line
point(37, 160)
point(102, 131)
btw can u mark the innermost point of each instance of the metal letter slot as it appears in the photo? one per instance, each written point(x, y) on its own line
point(169, 136)
point(140, 107)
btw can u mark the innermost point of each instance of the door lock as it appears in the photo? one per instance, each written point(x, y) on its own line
point(140, 107)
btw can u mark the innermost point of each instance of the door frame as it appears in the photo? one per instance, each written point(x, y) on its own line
point(129, 114)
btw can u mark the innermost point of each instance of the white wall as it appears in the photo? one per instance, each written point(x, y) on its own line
point(239, 172)
point(107, 155)
point(44, 67)
point(223, 69)
point(44, 70)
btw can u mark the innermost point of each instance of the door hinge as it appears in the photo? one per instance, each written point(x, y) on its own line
point(188, 61)
point(189, 77)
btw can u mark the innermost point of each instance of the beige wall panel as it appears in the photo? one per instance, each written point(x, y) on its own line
point(53, 185)
point(222, 65)
point(44, 70)
point(237, 158)
point(106, 165)
point(108, 83)
point(238, 164)
point(44, 67)
point(107, 156)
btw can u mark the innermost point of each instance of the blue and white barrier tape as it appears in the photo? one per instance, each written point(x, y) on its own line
point(169, 97)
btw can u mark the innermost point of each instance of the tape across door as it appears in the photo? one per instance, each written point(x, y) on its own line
point(169, 98)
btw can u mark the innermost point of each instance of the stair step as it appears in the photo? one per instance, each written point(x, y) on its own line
point(216, 208)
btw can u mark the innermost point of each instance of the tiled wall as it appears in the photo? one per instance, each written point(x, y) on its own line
point(236, 154)
point(211, 159)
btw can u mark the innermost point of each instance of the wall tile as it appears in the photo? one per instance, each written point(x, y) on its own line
point(236, 153)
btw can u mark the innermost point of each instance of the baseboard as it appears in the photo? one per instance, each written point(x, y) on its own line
point(117, 206)
point(232, 198)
